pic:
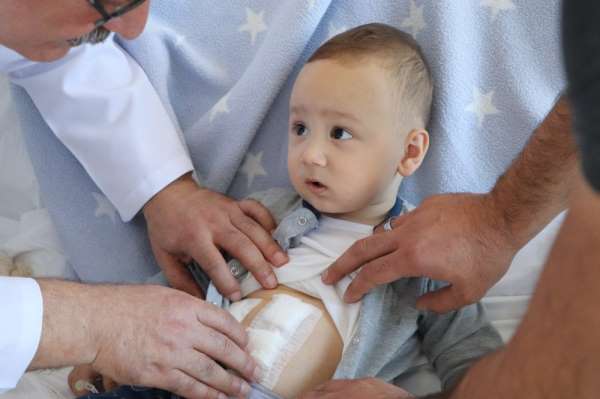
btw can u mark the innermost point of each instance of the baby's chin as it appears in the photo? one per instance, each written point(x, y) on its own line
point(330, 204)
point(326, 206)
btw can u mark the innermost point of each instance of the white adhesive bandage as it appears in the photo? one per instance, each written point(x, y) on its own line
point(318, 249)
point(277, 332)
point(240, 309)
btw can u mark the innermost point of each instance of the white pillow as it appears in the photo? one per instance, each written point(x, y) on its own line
point(507, 301)
point(28, 242)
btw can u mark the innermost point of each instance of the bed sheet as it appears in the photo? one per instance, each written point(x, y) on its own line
point(28, 242)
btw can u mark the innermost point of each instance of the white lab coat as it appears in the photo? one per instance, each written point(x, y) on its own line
point(21, 311)
point(130, 152)
point(87, 98)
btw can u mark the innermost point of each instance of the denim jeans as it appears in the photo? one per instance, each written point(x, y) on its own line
point(133, 392)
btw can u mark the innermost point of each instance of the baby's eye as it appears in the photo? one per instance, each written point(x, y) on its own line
point(339, 133)
point(299, 129)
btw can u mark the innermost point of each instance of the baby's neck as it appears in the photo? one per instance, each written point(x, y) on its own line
point(377, 211)
point(371, 215)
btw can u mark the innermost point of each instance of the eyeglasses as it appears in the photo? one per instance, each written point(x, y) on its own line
point(117, 12)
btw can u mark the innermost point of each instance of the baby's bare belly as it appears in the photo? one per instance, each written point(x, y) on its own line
point(318, 357)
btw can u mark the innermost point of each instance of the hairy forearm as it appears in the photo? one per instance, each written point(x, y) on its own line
point(554, 352)
point(67, 337)
point(535, 187)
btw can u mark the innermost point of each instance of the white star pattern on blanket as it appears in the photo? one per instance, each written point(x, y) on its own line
point(176, 38)
point(482, 105)
point(179, 40)
point(252, 167)
point(415, 22)
point(227, 71)
point(254, 24)
point(226, 74)
point(104, 207)
point(221, 107)
point(497, 6)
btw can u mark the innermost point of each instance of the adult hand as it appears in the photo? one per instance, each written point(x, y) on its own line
point(371, 388)
point(186, 221)
point(160, 337)
point(458, 238)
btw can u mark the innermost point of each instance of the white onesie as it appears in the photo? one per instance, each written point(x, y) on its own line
point(280, 329)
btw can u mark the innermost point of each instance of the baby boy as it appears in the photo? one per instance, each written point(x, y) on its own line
point(358, 113)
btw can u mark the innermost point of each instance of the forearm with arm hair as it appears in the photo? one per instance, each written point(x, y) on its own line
point(69, 310)
point(536, 186)
point(554, 353)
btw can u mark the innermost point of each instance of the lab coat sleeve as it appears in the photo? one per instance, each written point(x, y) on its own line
point(100, 104)
point(21, 315)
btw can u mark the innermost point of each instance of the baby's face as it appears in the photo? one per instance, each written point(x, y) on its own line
point(344, 140)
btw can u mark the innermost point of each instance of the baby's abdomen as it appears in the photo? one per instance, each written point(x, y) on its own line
point(312, 362)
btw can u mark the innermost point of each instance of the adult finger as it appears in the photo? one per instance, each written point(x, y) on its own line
point(396, 222)
point(361, 252)
point(178, 276)
point(222, 321)
point(261, 238)
point(203, 368)
point(81, 380)
point(440, 301)
point(314, 394)
point(319, 392)
point(211, 261)
point(445, 300)
point(325, 389)
point(379, 271)
point(219, 347)
point(258, 212)
point(333, 385)
point(242, 248)
point(182, 384)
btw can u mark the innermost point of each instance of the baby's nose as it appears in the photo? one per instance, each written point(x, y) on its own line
point(314, 155)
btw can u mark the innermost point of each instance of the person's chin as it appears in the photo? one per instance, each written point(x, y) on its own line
point(45, 54)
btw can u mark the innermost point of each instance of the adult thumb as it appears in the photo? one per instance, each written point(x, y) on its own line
point(440, 301)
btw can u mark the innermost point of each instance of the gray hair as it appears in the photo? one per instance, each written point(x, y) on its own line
point(98, 35)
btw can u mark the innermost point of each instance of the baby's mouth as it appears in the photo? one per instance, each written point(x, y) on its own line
point(315, 185)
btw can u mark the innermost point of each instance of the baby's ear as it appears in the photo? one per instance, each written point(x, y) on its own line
point(416, 145)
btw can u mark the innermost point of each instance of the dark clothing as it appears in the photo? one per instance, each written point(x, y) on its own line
point(581, 46)
point(131, 392)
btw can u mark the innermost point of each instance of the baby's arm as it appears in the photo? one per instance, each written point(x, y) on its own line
point(454, 341)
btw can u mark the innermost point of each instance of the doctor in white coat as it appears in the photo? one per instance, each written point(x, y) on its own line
point(144, 335)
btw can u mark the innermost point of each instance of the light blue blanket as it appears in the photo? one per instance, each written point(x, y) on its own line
point(224, 69)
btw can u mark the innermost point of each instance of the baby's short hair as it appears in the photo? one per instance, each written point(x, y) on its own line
point(400, 55)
